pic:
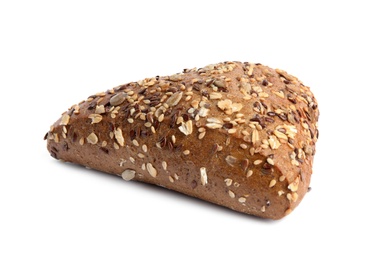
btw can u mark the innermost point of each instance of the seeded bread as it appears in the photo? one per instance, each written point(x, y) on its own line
point(241, 135)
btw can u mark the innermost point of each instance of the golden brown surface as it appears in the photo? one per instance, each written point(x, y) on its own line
point(240, 135)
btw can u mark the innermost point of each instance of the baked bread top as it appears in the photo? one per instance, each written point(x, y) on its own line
point(242, 119)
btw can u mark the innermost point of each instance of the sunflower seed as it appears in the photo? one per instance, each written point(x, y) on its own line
point(118, 99)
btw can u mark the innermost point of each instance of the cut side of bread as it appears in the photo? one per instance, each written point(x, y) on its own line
point(240, 135)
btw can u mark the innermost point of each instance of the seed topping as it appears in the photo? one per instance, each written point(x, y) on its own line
point(119, 137)
point(65, 119)
point(118, 99)
point(186, 128)
point(92, 138)
point(151, 170)
point(174, 99)
point(203, 176)
point(95, 118)
point(128, 174)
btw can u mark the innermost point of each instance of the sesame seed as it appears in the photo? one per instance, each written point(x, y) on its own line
point(186, 152)
point(294, 186)
point(144, 148)
point(104, 143)
point(270, 161)
point(231, 194)
point(173, 139)
point(282, 178)
point(135, 142)
point(262, 209)
point(241, 199)
point(142, 116)
point(245, 133)
point(203, 175)
point(239, 115)
point(232, 131)
point(161, 117)
point(249, 173)
point(195, 103)
point(132, 160)
point(252, 125)
point(116, 146)
point(243, 146)
point(191, 110)
point(201, 135)
point(171, 179)
point(272, 183)
point(164, 165)
point(81, 142)
point(257, 162)
point(141, 156)
point(151, 170)
point(130, 120)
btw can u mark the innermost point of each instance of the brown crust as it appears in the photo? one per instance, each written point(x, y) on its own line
point(240, 135)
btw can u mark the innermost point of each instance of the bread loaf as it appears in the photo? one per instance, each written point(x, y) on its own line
point(241, 135)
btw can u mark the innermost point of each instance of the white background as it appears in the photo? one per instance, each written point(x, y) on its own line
point(56, 53)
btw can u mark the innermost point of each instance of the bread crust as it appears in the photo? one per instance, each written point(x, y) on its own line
point(240, 135)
